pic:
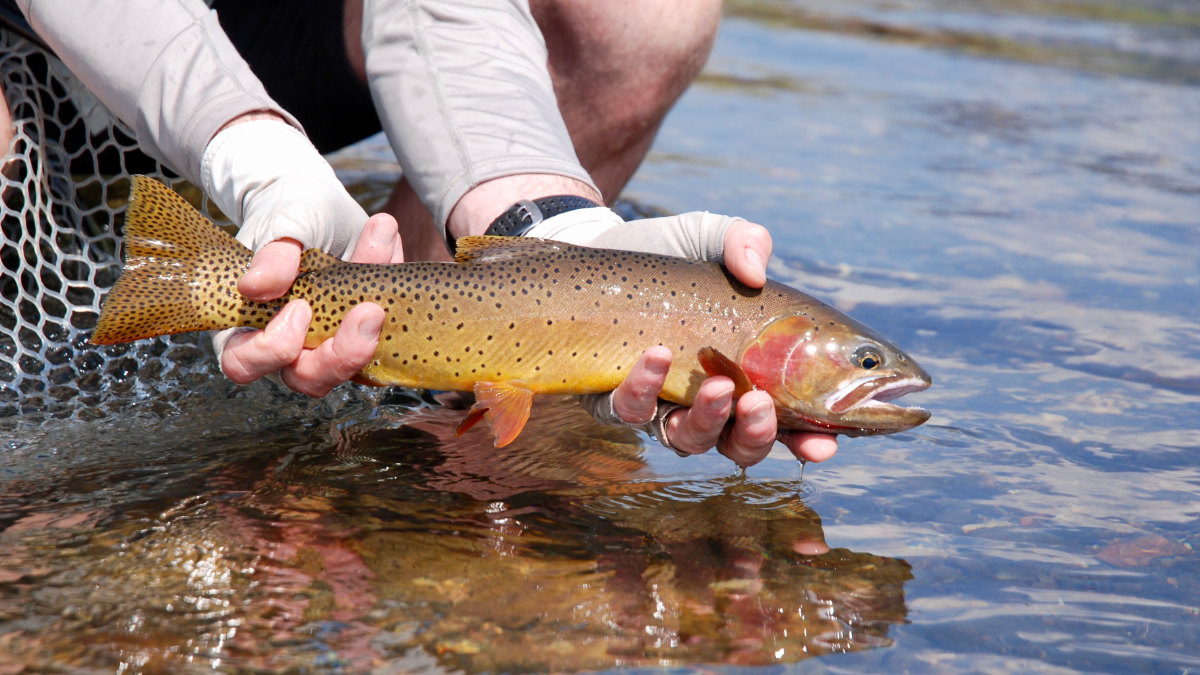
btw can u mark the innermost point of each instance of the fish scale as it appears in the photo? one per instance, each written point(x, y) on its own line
point(514, 317)
point(589, 312)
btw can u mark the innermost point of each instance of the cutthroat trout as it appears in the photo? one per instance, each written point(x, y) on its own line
point(514, 317)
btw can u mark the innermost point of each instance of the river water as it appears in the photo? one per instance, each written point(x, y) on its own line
point(1008, 190)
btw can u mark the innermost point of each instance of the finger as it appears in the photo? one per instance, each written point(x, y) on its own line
point(635, 400)
point(379, 242)
point(696, 429)
point(747, 250)
point(811, 447)
point(251, 355)
point(752, 435)
point(272, 270)
point(339, 358)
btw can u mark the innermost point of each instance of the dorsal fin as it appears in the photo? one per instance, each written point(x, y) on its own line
point(162, 224)
point(313, 259)
point(485, 248)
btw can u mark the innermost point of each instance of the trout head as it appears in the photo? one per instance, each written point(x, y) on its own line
point(833, 375)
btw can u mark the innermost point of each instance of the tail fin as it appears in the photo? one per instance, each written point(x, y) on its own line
point(180, 275)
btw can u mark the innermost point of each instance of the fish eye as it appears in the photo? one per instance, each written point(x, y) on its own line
point(868, 358)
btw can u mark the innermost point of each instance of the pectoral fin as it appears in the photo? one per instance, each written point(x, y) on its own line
point(505, 406)
point(715, 363)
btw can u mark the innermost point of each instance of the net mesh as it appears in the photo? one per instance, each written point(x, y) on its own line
point(63, 186)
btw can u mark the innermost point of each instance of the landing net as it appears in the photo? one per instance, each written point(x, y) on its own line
point(63, 187)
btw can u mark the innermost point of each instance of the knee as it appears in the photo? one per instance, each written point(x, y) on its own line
point(653, 48)
point(674, 44)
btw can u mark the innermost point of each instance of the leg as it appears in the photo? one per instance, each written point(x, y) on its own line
point(617, 69)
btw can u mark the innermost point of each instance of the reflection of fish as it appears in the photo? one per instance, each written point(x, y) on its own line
point(515, 317)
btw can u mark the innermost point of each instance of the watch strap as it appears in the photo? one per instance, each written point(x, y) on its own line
point(523, 215)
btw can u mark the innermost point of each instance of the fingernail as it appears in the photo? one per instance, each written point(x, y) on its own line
point(381, 236)
point(724, 398)
point(252, 284)
point(657, 368)
point(252, 274)
point(370, 326)
point(756, 262)
point(759, 413)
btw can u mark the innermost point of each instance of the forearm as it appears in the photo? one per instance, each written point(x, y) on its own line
point(485, 202)
point(468, 106)
point(164, 67)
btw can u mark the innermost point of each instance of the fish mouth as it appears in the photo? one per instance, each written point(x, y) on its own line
point(875, 393)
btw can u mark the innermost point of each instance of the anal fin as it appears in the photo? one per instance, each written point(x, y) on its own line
point(505, 406)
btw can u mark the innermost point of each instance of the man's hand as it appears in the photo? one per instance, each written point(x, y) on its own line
point(705, 425)
point(267, 177)
point(744, 249)
point(249, 355)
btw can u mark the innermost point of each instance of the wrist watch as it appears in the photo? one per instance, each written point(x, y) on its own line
point(523, 215)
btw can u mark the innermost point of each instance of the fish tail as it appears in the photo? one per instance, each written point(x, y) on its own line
point(181, 271)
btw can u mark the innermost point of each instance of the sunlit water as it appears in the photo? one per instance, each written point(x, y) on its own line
point(1012, 196)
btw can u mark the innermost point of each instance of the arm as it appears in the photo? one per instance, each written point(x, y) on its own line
point(469, 107)
point(164, 67)
point(467, 103)
point(167, 69)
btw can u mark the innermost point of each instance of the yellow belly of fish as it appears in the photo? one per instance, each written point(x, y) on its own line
point(578, 355)
point(581, 358)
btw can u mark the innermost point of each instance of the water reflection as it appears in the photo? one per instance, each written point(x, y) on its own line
point(397, 541)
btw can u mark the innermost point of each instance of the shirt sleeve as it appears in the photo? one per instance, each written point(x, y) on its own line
point(464, 94)
point(164, 67)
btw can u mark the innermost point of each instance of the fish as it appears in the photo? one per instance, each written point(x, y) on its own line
point(514, 317)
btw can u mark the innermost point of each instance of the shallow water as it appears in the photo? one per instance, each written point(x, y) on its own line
point(1010, 191)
